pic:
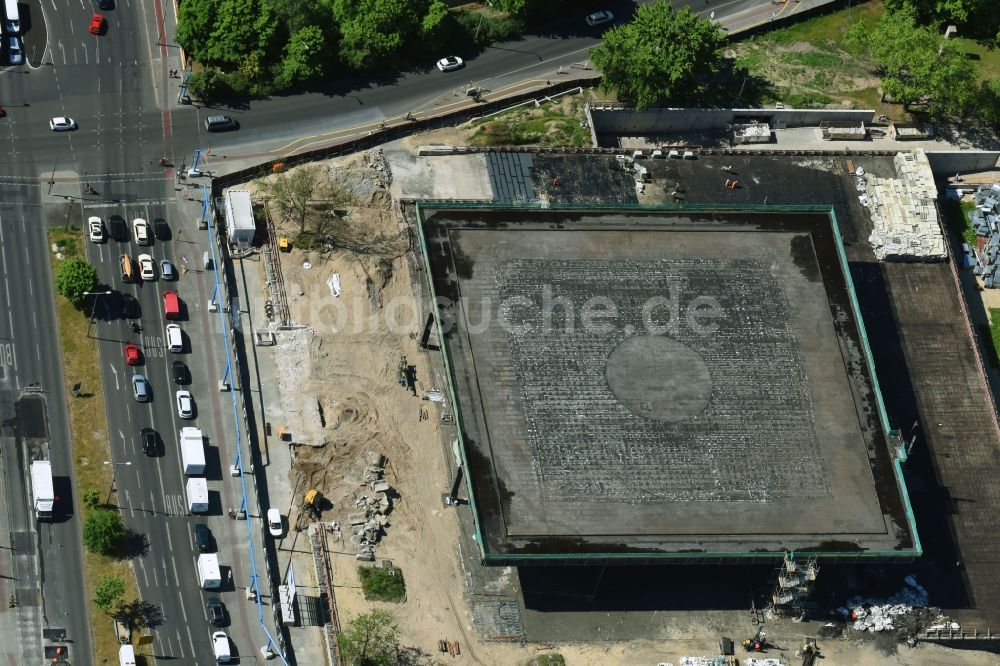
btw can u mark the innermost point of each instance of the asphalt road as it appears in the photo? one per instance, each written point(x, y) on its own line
point(47, 555)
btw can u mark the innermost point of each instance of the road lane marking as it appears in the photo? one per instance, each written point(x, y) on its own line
point(115, 371)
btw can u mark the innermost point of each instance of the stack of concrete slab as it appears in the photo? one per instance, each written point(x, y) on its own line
point(985, 221)
point(904, 211)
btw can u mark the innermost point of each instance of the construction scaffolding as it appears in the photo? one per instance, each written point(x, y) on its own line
point(795, 580)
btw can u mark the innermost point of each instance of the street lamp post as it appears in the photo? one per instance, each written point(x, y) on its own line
point(114, 469)
point(93, 310)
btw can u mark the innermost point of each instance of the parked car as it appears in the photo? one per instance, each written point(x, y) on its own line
point(62, 124)
point(140, 229)
point(167, 271)
point(146, 270)
point(203, 538)
point(148, 438)
point(180, 373)
point(274, 525)
point(216, 612)
point(221, 123)
point(132, 354)
point(185, 404)
point(450, 63)
point(140, 388)
point(599, 18)
point(95, 229)
point(14, 53)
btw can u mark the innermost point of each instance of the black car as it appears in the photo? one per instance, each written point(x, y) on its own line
point(161, 229)
point(105, 4)
point(129, 307)
point(203, 538)
point(180, 373)
point(118, 229)
point(216, 611)
point(148, 438)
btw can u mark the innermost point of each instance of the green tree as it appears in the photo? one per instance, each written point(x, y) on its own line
point(109, 592)
point(434, 19)
point(305, 55)
point(194, 26)
point(662, 55)
point(91, 498)
point(75, 277)
point(374, 31)
point(209, 85)
point(292, 193)
point(103, 531)
point(981, 17)
point(916, 65)
point(241, 27)
point(370, 639)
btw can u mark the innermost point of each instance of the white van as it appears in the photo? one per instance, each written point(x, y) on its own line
point(126, 656)
point(12, 26)
point(175, 341)
point(220, 646)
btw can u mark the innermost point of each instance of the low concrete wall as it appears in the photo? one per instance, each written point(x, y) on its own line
point(652, 122)
point(948, 163)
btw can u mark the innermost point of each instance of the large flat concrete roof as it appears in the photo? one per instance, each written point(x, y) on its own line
point(661, 383)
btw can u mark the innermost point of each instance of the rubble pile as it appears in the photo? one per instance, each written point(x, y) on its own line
point(369, 521)
point(905, 611)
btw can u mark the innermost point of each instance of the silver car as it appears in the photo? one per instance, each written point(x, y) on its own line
point(167, 271)
point(140, 388)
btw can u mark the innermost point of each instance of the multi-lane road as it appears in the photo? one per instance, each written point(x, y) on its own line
point(116, 86)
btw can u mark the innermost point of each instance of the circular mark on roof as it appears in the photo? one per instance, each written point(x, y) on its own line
point(659, 378)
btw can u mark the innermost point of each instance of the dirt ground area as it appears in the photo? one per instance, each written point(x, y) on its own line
point(339, 383)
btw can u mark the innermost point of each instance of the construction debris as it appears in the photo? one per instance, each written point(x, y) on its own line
point(898, 612)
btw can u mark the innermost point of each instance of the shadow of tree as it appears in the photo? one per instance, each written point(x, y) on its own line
point(134, 544)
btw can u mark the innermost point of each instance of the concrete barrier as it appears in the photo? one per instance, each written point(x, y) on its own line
point(949, 162)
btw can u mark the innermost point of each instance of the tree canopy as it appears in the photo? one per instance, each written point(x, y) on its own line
point(74, 278)
point(663, 56)
point(370, 639)
point(978, 17)
point(917, 65)
point(103, 531)
point(109, 592)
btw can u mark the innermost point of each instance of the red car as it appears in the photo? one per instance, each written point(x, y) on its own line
point(132, 355)
point(97, 24)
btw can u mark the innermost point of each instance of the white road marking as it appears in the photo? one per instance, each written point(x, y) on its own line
point(115, 371)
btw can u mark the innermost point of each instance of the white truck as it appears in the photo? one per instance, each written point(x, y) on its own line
point(42, 494)
point(126, 656)
point(192, 451)
point(220, 646)
point(197, 495)
point(209, 574)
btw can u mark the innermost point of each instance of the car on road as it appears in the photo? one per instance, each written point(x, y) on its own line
point(220, 646)
point(97, 24)
point(216, 612)
point(185, 404)
point(62, 124)
point(148, 438)
point(140, 229)
point(117, 228)
point(140, 388)
point(171, 305)
point(167, 271)
point(450, 63)
point(95, 229)
point(274, 526)
point(146, 270)
point(600, 18)
point(221, 123)
point(14, 54)
point(132, 354)
point(175, 339)
point(105, 4)
point(203, 538)
point(161, 229)
point(180, 372)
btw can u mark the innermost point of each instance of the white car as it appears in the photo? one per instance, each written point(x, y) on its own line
point(220, 647)
point(140, 228)
point(450, 63)
point(185, 404)
point(146, 270)
point(175, 339)
point(95, 229)
point(599, 18)
point(274, 523)
point(62, 124)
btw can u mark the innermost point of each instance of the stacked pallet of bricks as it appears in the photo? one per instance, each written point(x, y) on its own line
point(904, 211)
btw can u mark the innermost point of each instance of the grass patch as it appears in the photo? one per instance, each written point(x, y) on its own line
point(987, 59)
point(957, 215)
point(552, 124)
point(554, 659)
point(89, 430)
point(819, 59)
point(995, 332)
point(382, 584)
point(825, 30)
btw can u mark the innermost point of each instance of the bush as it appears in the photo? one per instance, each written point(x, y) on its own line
point(91, 498)
point(103, 531)
point(490, 28)
point(209, 85)
point(74, 278)
point(382, 584)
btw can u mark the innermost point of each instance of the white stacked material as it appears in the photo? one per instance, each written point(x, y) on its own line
point(870, 614)
point(703, 661)
point(904, 212)
point(763, 661)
